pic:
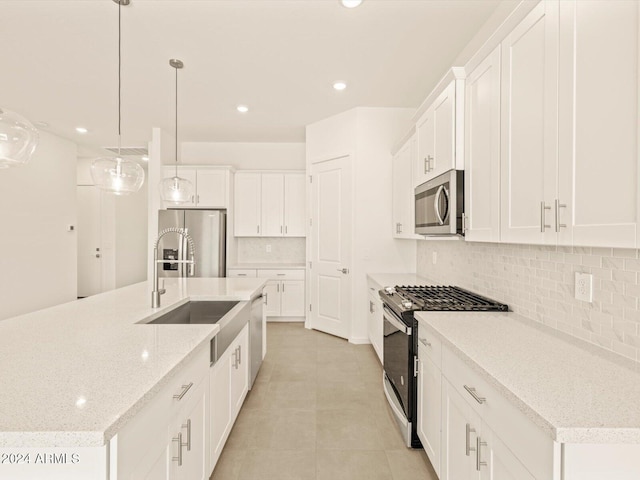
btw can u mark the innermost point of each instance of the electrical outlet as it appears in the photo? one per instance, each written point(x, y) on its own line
point(268, 248)
point(584, 287)
point(434, 257)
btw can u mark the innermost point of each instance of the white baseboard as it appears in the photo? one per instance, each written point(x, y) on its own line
point(359, 340)
point(285, 319)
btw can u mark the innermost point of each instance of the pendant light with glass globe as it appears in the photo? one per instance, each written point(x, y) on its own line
point(118, 175)
point(176, 190)
point(18, 139)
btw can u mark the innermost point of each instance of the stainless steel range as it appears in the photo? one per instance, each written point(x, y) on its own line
point(400, 342)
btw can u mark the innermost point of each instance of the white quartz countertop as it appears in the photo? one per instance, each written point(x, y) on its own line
point(571, 390)
point(74, 374)
point(393, 279)
point(269, 266)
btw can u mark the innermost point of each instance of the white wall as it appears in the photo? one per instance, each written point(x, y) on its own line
point(245, 156)
point(37, 203)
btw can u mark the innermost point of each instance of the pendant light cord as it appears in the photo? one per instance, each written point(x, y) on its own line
point(119, 77)
point(176, 121)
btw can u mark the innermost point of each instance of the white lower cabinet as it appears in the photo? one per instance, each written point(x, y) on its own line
point(429, 403)
point(375, 323)
point(228, 387)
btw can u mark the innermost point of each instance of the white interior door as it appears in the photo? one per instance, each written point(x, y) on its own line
point(330, 256)
point(89, 252)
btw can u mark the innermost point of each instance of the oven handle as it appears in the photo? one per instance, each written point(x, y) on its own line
point(391, 317)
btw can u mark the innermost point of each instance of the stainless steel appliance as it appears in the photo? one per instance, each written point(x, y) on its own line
point(439, 205)
point(400, 343)
point(208, 230)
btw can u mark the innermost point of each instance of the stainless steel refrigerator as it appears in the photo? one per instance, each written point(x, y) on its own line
point(208, 228)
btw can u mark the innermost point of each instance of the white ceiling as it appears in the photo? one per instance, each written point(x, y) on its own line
point(280, 57)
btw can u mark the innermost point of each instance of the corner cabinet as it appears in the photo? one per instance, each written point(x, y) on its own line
point(439, 130)
point(211, 185)
point(269, 204)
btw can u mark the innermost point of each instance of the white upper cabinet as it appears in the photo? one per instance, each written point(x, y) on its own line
point(272, 205)
point(269, 204)
point(247, 198)
point(403, 197)
point(529, 127)
point(598, 112)
point(440, 130)
point(482, 151)
point(295, 205)
point(210, 185)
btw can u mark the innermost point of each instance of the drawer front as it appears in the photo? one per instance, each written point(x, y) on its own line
point(281, 274)
point(373, 287)
point(241, 272)
point(532, 446)
point(429, 344)
point(145, 435)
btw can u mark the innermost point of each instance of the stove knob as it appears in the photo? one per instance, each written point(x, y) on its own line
point(407, 304)
point(390, 290)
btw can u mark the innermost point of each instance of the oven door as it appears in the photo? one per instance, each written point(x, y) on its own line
point(396, 348)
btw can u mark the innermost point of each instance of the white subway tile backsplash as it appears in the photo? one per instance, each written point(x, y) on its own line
point(538, 283)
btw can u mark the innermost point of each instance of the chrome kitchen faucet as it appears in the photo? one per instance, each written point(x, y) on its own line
point(155, 294)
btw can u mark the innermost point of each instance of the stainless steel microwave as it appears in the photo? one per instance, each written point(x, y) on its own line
point(440, 205)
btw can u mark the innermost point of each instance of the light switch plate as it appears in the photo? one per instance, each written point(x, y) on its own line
point(584, 287)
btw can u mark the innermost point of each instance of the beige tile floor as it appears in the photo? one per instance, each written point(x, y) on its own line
point(317, 412)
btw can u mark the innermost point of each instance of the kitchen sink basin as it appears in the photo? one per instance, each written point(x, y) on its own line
point(193, 313)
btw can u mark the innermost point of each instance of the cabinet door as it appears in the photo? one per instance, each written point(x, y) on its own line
point(529, 127)
point(295, 205)
point(212, 188)
point(444, 125)
point(460, 429)
point(271, 292)
point(239, 368)
point(191, 422)
point(188, 173)
point(292, 298)
point(403, 197)
point(247, 198)
point(272, 205)
point(598, 156)
point(482, 151)
point(496, 461)
point(374, 320)
point(220, 406)
point(426, 148)
point(429, 407)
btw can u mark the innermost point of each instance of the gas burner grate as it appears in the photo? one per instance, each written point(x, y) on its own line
point(449, 298)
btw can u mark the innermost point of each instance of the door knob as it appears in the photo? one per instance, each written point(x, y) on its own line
point(343, 270)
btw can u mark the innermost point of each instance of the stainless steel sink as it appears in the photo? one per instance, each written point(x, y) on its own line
point(230, 316)
point(196, 313)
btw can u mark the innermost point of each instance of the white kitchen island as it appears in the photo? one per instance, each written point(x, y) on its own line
point(74, 376)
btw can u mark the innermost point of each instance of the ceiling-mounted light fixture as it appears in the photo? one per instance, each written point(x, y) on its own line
point(339, 86)
point(175, 189)
point(115, 174)
point(351, 3)
point(18, 139)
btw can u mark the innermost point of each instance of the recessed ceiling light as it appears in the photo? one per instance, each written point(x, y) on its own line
point(242, 108)
point(351, 3)
point(339, 85)
point(145, 158)
point(81, 130)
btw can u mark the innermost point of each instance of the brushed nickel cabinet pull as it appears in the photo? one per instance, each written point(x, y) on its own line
point(543, 225)
point(424, 342)
point(188, 427)
point(180, 445)
point(558, 207)
point(469, 448)
point(479, 445)
point(185, 389)
point(473, 393)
